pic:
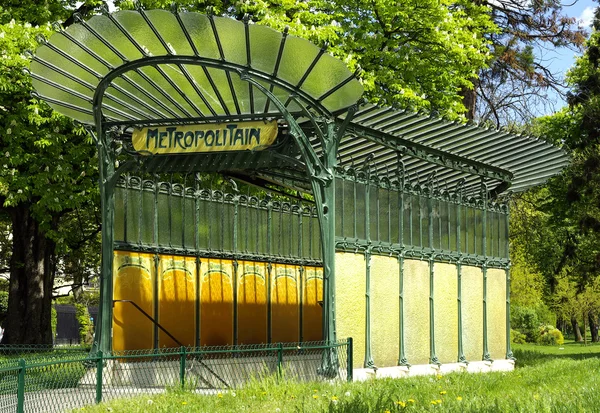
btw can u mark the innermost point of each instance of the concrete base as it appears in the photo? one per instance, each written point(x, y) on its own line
point(433, 369)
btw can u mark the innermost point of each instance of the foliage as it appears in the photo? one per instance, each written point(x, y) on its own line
point(550, 335)
point(515, 86)
point(86, 326)
point(517, 338)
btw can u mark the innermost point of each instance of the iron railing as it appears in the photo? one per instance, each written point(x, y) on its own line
point(40, 381)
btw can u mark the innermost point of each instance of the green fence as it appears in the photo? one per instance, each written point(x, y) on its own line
point(34, 379)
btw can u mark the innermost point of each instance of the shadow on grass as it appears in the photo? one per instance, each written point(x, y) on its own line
point(533, 357)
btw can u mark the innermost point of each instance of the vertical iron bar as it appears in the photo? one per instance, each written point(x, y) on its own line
point(302, 279)
point(125, 211)
point(198, 261)
point(402, 361)
point(269, 303)
point(368, 363)
point(156, 299)
point(355, 211)
point(486, 353)
point(182, 357)
point(509, 353)
point(461, 353)
point(141, 212)
point(349, 360)
point(433, 356)
point(280, 359)
point(198, 297)
point(235, 301)
point(21, 387)
point(343, 203)
point(170, 209)
point(99, 368)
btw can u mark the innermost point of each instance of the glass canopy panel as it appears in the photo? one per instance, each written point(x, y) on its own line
point(144, 38)
point(263, 58)
point(336, 101)
point(233, 40)
point(292, 68)
point(170, 31)
point(200, 30)
point(327, 73)
point(112, 39)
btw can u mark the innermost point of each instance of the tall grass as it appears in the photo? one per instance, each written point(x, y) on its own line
point(558, 384)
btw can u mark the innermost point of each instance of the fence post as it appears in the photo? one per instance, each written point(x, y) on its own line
point(182, 366)
point(99, 367)
point(21, 387)
point(279, 358)
point(349, 361)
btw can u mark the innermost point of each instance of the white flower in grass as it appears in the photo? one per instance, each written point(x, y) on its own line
point(347, 394)
point(233, 394)
point(150, 401)
point(277, 410)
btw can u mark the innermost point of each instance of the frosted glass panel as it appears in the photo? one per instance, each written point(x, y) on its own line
point(496, 311)
point(292, 68)
point(385, 317)
point(167, 25)
point(416, 311)
point(445, 287)
point(472, 312)
point(350, 290)
point(269, 40)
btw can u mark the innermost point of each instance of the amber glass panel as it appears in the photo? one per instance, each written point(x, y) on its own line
point(312, 311)
point(285, 319)
point(177, 300)
point(252, 302)
point(216, 303)
point(133, 280)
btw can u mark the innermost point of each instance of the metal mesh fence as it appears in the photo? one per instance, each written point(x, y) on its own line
point(44, 379)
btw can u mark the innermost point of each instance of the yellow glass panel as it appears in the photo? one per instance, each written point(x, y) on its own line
point(216, 303)
point(133, 280)
point(252, 302)
point(416, 311)
point(472, 312)
point(177, 300)
point(285, 319)
point(350, 310)
point(312, 311)
point(496, 312)
point(445, 293)
point(385, 317)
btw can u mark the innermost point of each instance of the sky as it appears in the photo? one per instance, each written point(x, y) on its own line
point(562, 59)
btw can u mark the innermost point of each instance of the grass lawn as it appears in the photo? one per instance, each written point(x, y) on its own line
point(547, 379)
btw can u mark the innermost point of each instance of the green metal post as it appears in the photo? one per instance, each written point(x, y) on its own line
point(182, 357)
point(486, 353)
point(107, 175)
point(280, 359)
point(369, 362)
point(99, 367)
point(509, 353)
point(433, 357)
point(21, 387)
point(461, 351)
point(349, 360)
point(402, 361)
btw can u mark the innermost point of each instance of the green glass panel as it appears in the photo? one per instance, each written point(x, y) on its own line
point(47, 90)
point(470, 225)
point(227, 232)
point(220, 79)
point(114, 36)
point(297, 56)
point(164, 212)
point(245, 230)
point(479, 231)
point(137, 27)
point(176, 221)
point(373, 217)
point(276, 232)
point(406, 217)
point(64, 81)
point(175, 74)
point(147, 217)
point(463, 229)
point(491, 220)
point(307, 236)
point(395, 216)
point(233, 39)
point(436, 215)
point(286, 234)
point(203, 224)
point(133, 218)
point(264, 46)
point(360, 206)
point(200, 30)
point(152, 90)
point(73, 114)
point(344, 97)
point(350, 218)
point(112, 95)
point(316, 239)
point(339, 207)
point(415, 206)
point(260, 217)
point(453, 226)
point(384, 215)
point(119, 225)
point(242, 94)
point(169, 29)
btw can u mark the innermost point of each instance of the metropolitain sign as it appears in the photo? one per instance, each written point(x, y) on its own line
point(210, 137)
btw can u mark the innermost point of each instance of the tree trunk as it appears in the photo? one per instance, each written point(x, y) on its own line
point(470, 99)
point(31, 280)
point(576, 332)
point(593, 319)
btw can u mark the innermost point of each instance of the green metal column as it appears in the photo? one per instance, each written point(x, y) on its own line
point(486, 353)
point(402, 361)
point(509, 353)
point(103, 337)
point(461, 352)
